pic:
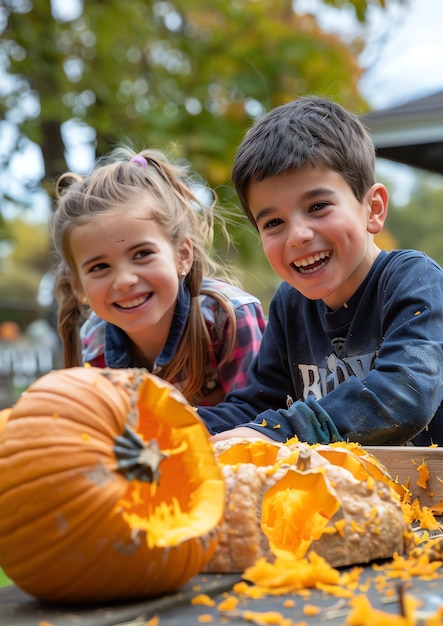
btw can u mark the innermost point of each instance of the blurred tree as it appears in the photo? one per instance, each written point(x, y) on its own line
point(26, 257)
point(155, 71)
point(418, 223)
point(181, 75)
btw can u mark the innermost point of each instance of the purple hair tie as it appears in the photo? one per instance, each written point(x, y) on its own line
point(140, 160)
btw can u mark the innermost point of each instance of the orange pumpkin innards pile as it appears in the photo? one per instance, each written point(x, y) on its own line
point(321, 507)
point(288, 500)
point(111, 489)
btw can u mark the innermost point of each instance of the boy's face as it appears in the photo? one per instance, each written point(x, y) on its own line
point(316, 235)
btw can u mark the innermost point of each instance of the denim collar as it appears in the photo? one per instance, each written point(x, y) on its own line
point(117, 344)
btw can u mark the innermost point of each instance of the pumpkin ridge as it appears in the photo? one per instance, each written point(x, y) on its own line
point(17, 474)
point(116, 393)
point(67, 445)
point(102, 578)
point(15, 491)
point(62, 428)
point(91, 420)
point(73, 501)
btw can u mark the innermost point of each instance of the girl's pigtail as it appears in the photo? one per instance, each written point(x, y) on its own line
point(194, 278)
point(64, 181)
point(69, 317)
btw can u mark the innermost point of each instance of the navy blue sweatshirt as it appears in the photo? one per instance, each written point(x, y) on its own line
point(370, 372)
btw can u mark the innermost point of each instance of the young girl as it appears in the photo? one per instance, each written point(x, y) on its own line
point(133, 240)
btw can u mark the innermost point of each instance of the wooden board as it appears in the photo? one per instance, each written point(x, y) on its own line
point(402, 463)
point(20, 609)
point(17, 608)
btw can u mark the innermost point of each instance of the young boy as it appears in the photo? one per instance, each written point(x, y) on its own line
point(353, 349)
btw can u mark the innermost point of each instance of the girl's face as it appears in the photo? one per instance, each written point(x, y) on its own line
point(129, 271)
point(316, 235)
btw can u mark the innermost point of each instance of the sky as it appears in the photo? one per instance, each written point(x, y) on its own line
point(403, 60)
point(404, 54)
point(410, 64)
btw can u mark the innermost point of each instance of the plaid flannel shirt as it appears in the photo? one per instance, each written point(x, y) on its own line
point(105, 345)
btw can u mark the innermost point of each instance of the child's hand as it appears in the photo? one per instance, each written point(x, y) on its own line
point(242, 432)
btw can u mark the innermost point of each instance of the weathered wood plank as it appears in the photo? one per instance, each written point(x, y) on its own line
point(402, 463)
point(17, 608)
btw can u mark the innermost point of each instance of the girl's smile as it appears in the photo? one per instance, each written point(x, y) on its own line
point(133, 303)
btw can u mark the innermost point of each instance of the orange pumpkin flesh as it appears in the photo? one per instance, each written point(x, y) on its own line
point(256, 451)
point(290, 519)
point(322, 499)
point(360, 463)
point(249, 466)
point(108, 488)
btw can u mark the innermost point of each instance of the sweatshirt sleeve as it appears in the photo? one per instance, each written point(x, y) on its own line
point(401, 394)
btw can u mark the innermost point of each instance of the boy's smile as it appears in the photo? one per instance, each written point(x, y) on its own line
point(316, 235)
point(313, 262)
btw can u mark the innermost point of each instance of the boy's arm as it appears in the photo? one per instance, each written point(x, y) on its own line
point(269, 384)
point(400, 397)
point(309, 425)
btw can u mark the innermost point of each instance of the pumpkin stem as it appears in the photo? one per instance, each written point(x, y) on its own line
point(137, 460)
point(303, 460)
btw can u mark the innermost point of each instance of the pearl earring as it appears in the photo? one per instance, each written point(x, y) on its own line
point(183, 273)
point(84, 300)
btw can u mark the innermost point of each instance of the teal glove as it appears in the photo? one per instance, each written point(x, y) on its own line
point(310, 424)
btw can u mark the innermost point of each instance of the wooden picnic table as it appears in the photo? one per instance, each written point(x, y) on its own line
point(19, 609)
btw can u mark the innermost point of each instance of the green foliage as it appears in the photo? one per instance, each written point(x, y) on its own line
point(418, 224)
point(182, 72)
point(21, 271)
point(4, 580)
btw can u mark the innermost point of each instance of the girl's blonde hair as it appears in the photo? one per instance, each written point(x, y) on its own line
point(118, 182)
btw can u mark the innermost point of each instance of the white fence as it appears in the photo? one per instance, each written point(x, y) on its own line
point(22, 364)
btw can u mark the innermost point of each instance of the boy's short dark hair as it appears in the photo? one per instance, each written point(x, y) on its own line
point(308, 131)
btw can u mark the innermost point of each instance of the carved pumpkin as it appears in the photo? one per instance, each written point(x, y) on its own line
point(285, 500)
point(327, 509)
point(345, 455)
point(109, 488)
